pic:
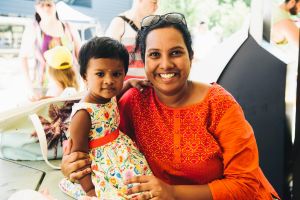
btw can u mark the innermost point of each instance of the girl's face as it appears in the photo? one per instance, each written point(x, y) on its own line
point(45, 9)
point(104, 79)
point(167, 62)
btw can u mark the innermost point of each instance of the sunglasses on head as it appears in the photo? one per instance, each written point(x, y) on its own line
point(169, 17)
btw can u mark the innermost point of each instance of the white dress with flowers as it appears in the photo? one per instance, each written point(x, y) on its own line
point(113, 162)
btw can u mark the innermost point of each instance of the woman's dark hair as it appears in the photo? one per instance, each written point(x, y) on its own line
point(182, 28)
point(38, 17)
point(102, 47)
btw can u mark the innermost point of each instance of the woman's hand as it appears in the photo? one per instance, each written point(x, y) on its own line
point(150, 187)
point(75, 165)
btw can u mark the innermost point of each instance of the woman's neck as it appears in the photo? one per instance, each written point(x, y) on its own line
point(49, 21)
point(135, 15)
point(180, 99)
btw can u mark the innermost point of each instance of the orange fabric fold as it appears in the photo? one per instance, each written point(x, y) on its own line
point(242, 174)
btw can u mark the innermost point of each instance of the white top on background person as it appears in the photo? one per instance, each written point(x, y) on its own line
point(124, 28)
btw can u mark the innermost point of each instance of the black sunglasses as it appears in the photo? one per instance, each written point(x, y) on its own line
point(169, 17)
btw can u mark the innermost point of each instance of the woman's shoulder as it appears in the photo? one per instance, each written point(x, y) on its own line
point(215, 95)
point(133, 95)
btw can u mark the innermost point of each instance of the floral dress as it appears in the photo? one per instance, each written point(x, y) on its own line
point(114, 155)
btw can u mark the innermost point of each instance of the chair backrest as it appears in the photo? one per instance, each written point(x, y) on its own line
point(256, 79)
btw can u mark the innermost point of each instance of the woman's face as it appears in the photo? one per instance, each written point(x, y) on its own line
point(45, 9)
point(167, 62)
point(297, 8)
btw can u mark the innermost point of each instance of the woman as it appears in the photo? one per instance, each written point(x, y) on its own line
point(124, 28)
point(46, 32)
point(284, 29)
point(194, 136)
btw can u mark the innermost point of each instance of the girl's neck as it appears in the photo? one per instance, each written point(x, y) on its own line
point(180, 99)
point(90, 98)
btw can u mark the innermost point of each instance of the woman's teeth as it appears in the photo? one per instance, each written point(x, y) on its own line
point(167, 75)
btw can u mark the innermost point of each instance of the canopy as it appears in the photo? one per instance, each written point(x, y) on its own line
point(67, 13)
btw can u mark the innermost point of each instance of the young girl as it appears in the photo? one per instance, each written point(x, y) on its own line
point(95, 122)
point(63, 80)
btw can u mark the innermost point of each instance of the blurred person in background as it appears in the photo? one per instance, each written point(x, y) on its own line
point(284, 29)
point(285, 36)
point(124, 28)
point(46, 32)
point(60, 68)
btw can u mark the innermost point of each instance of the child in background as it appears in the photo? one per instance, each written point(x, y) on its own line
point(63, 80)
point(95, 122)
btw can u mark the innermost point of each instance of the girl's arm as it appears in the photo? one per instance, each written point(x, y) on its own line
point(79, 131)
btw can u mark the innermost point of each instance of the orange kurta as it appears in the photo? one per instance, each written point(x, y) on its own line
point(206, 143)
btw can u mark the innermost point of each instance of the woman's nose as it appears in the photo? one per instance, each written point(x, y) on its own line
point(166, 62)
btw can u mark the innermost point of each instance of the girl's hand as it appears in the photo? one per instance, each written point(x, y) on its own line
point(75, 165)
point(150, 187)
point(140, 84)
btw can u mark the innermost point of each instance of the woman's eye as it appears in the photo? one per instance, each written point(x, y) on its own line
point(100, 74)
point(176, 53)
point(154, 54)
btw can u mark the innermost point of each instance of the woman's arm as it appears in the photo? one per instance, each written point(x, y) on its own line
point(76, 39)
point(79, 133)
point(74, 165)
point(116, 28)
point(287, 29)
point(26, 51)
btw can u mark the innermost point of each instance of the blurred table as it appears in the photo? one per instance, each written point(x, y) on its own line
point(17, 175)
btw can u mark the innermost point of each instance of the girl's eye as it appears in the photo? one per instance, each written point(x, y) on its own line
point(117, 74)
point(100, 74)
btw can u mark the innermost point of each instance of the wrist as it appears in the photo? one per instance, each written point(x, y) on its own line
point(173, 190)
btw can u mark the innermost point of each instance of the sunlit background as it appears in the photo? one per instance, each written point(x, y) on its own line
point(210, 21)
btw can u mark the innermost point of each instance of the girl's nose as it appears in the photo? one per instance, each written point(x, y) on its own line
point(108, 79)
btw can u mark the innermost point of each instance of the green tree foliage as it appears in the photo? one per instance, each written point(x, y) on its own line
point(223, 16)
point(188, 7)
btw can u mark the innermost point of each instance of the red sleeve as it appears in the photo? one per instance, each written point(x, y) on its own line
point(242, 175)
point(126, 109)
